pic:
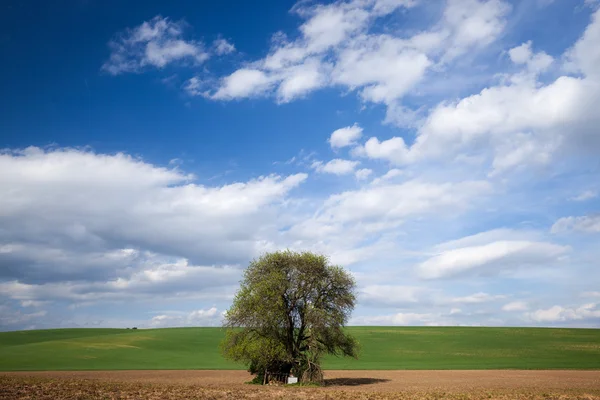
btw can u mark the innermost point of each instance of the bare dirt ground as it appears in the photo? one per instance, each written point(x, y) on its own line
point(502, 384)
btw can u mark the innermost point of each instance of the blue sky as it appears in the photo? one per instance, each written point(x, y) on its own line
point(445, 152)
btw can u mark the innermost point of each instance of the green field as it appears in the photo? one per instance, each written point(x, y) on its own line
point(382, 348)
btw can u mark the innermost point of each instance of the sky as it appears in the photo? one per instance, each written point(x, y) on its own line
point(445, 152)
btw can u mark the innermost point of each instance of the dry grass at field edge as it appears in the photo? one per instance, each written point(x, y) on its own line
point(21, 388)
point(348, 385)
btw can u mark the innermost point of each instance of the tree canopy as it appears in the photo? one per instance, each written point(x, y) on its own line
point(290, 310)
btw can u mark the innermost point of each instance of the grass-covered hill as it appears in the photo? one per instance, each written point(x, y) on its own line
point(382, 348)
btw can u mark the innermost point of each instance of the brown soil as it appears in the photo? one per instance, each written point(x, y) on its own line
point(503, 384)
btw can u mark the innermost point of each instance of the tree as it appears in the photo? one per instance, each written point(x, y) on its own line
point(290, 310)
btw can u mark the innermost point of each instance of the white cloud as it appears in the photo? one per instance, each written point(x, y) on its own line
point(392, 295)
point(518, 123)
point(453, 317)
point(521, 54)
point(199, 314)
point(33, 303)
point(363, 173)
point(154, 43)
point(331, 24)
point(195, 87)
point(501, 110)
point(508, 121)
point(388, 176)
point(491, 258)
point(396, 201)
point(337, 47)
point(583, 224)
point(486, 237)
point(142, 279)
point(11, 318)
point(222, 46)
point(393, 150)
point(385, 7)
point(243, 83)
point(511, 117)
point(535, 63)
point(384, 67)
point(78, 228)
point(296, 68)
point(585, 195)
point(72, 199)
point(562, 314)
point(301, 79)
point(474, 23)
point(520, 150)
point(477, 298)
point(398, 319)
point(585, 55)
point(202, 317)
point(336, 166)
point(515, 306)
point(346, 136)
point(362, 225)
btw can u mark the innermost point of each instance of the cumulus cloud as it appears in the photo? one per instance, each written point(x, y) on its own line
point(134, 281)
point(562, 314)
point(515, 306)
point(155, 43)
point(474, 23)
point(388, 176)
point(222, 46)
point(396, 201)
point(339, 45)
point(299, 80)
point(363, 173)
point(202, 317)
point(10, 318)
point(358, 226)
point(522, 121)
point(195, 87)
point(585, 195)
point(398, 319)
point(477, 298)
point(583, 224)
point(393, 150)
point(102, 200)
point(344, 137)
point(78, 227)
point(336, 166)
point(384, 67)
point(244, 83)
point(454, 316)
point(361, 225)
point(535, 62)
point(491, 258)
point(393, 295)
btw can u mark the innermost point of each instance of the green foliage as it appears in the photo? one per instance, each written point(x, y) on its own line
point(290, 311)
point(256, 380)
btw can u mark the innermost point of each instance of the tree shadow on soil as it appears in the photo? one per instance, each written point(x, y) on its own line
point(353, 381)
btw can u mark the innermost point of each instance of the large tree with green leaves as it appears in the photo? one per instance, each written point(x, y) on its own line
point(290, 310)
